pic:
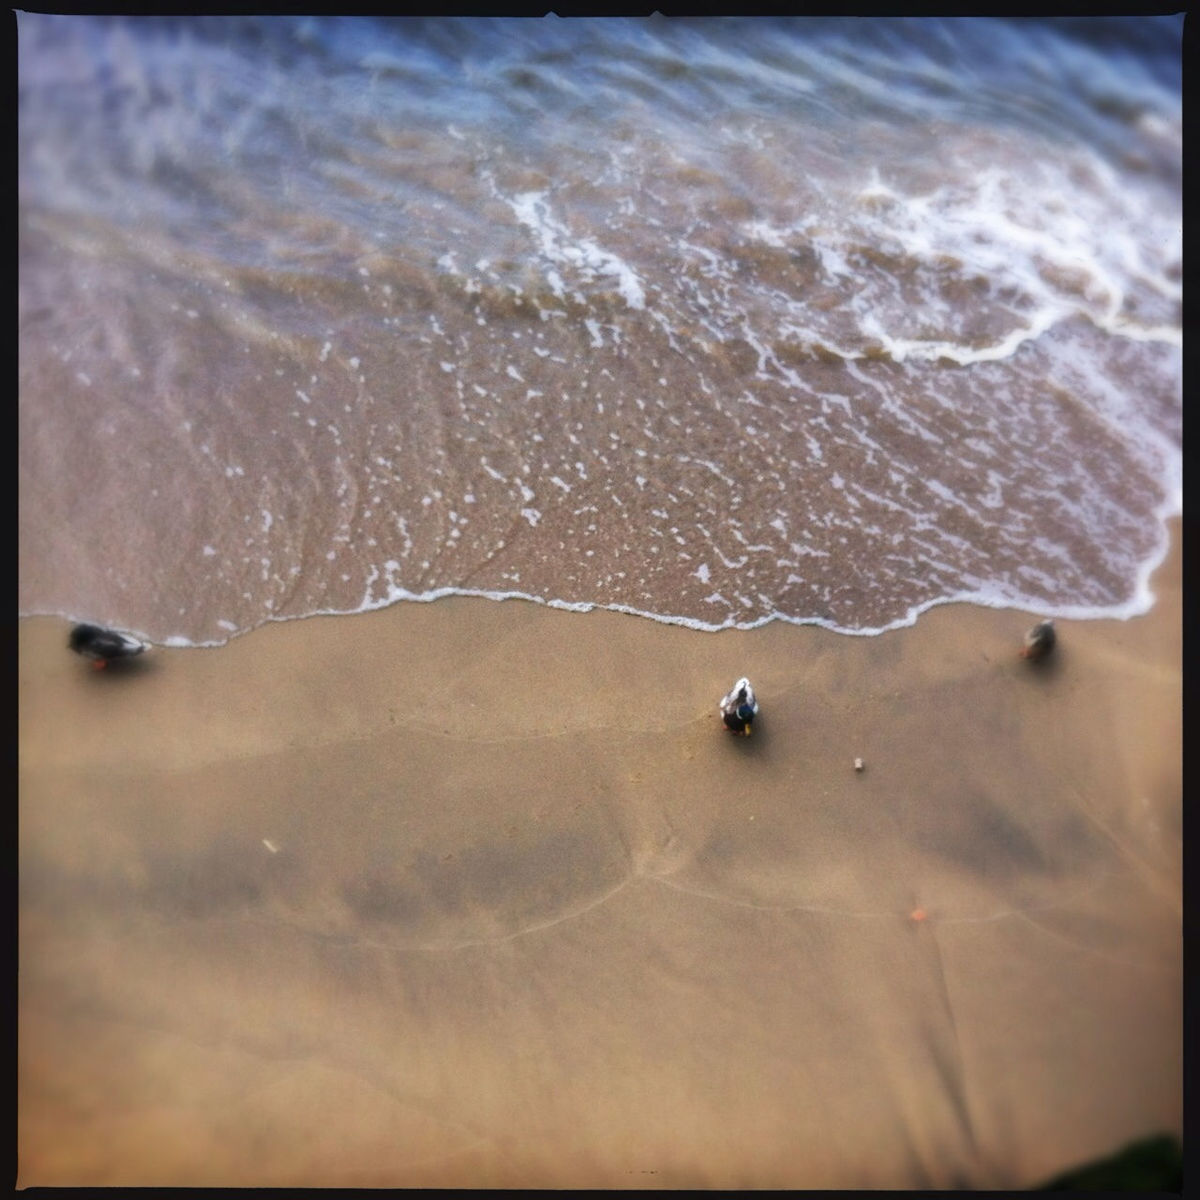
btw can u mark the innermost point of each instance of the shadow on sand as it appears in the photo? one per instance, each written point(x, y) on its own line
point(121, 669)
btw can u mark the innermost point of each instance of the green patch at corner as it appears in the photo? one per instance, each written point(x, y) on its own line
point(1151, 1165)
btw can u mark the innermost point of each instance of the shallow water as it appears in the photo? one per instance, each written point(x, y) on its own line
point(717, 321)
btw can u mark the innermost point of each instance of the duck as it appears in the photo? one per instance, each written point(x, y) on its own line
point(1039, 641)
point(103, 646)
point(739, 708)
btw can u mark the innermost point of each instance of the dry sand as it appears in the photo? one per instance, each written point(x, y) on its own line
point(279, 925)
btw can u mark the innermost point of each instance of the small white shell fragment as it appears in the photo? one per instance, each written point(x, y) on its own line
point(859, 765)
point(271, 846)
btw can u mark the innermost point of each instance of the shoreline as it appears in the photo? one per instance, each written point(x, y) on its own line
point(1139, 605)
point(280, 924)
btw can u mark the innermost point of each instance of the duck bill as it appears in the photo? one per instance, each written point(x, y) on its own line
point(746, 730)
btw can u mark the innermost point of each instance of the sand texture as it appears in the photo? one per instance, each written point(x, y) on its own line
point(480, 894)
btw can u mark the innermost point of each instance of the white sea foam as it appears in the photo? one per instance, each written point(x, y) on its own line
point(559, 246)
point(994, 226)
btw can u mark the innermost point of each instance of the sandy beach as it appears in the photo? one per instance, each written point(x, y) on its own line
point(479, 894)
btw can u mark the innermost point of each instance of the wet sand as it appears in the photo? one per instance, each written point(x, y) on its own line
point(282, 925)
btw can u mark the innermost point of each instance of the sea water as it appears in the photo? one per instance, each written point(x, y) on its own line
point(717, 321)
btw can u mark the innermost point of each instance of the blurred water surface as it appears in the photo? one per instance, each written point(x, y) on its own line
point(714, 320)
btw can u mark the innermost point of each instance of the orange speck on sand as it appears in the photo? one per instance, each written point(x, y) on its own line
point(917, 914)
